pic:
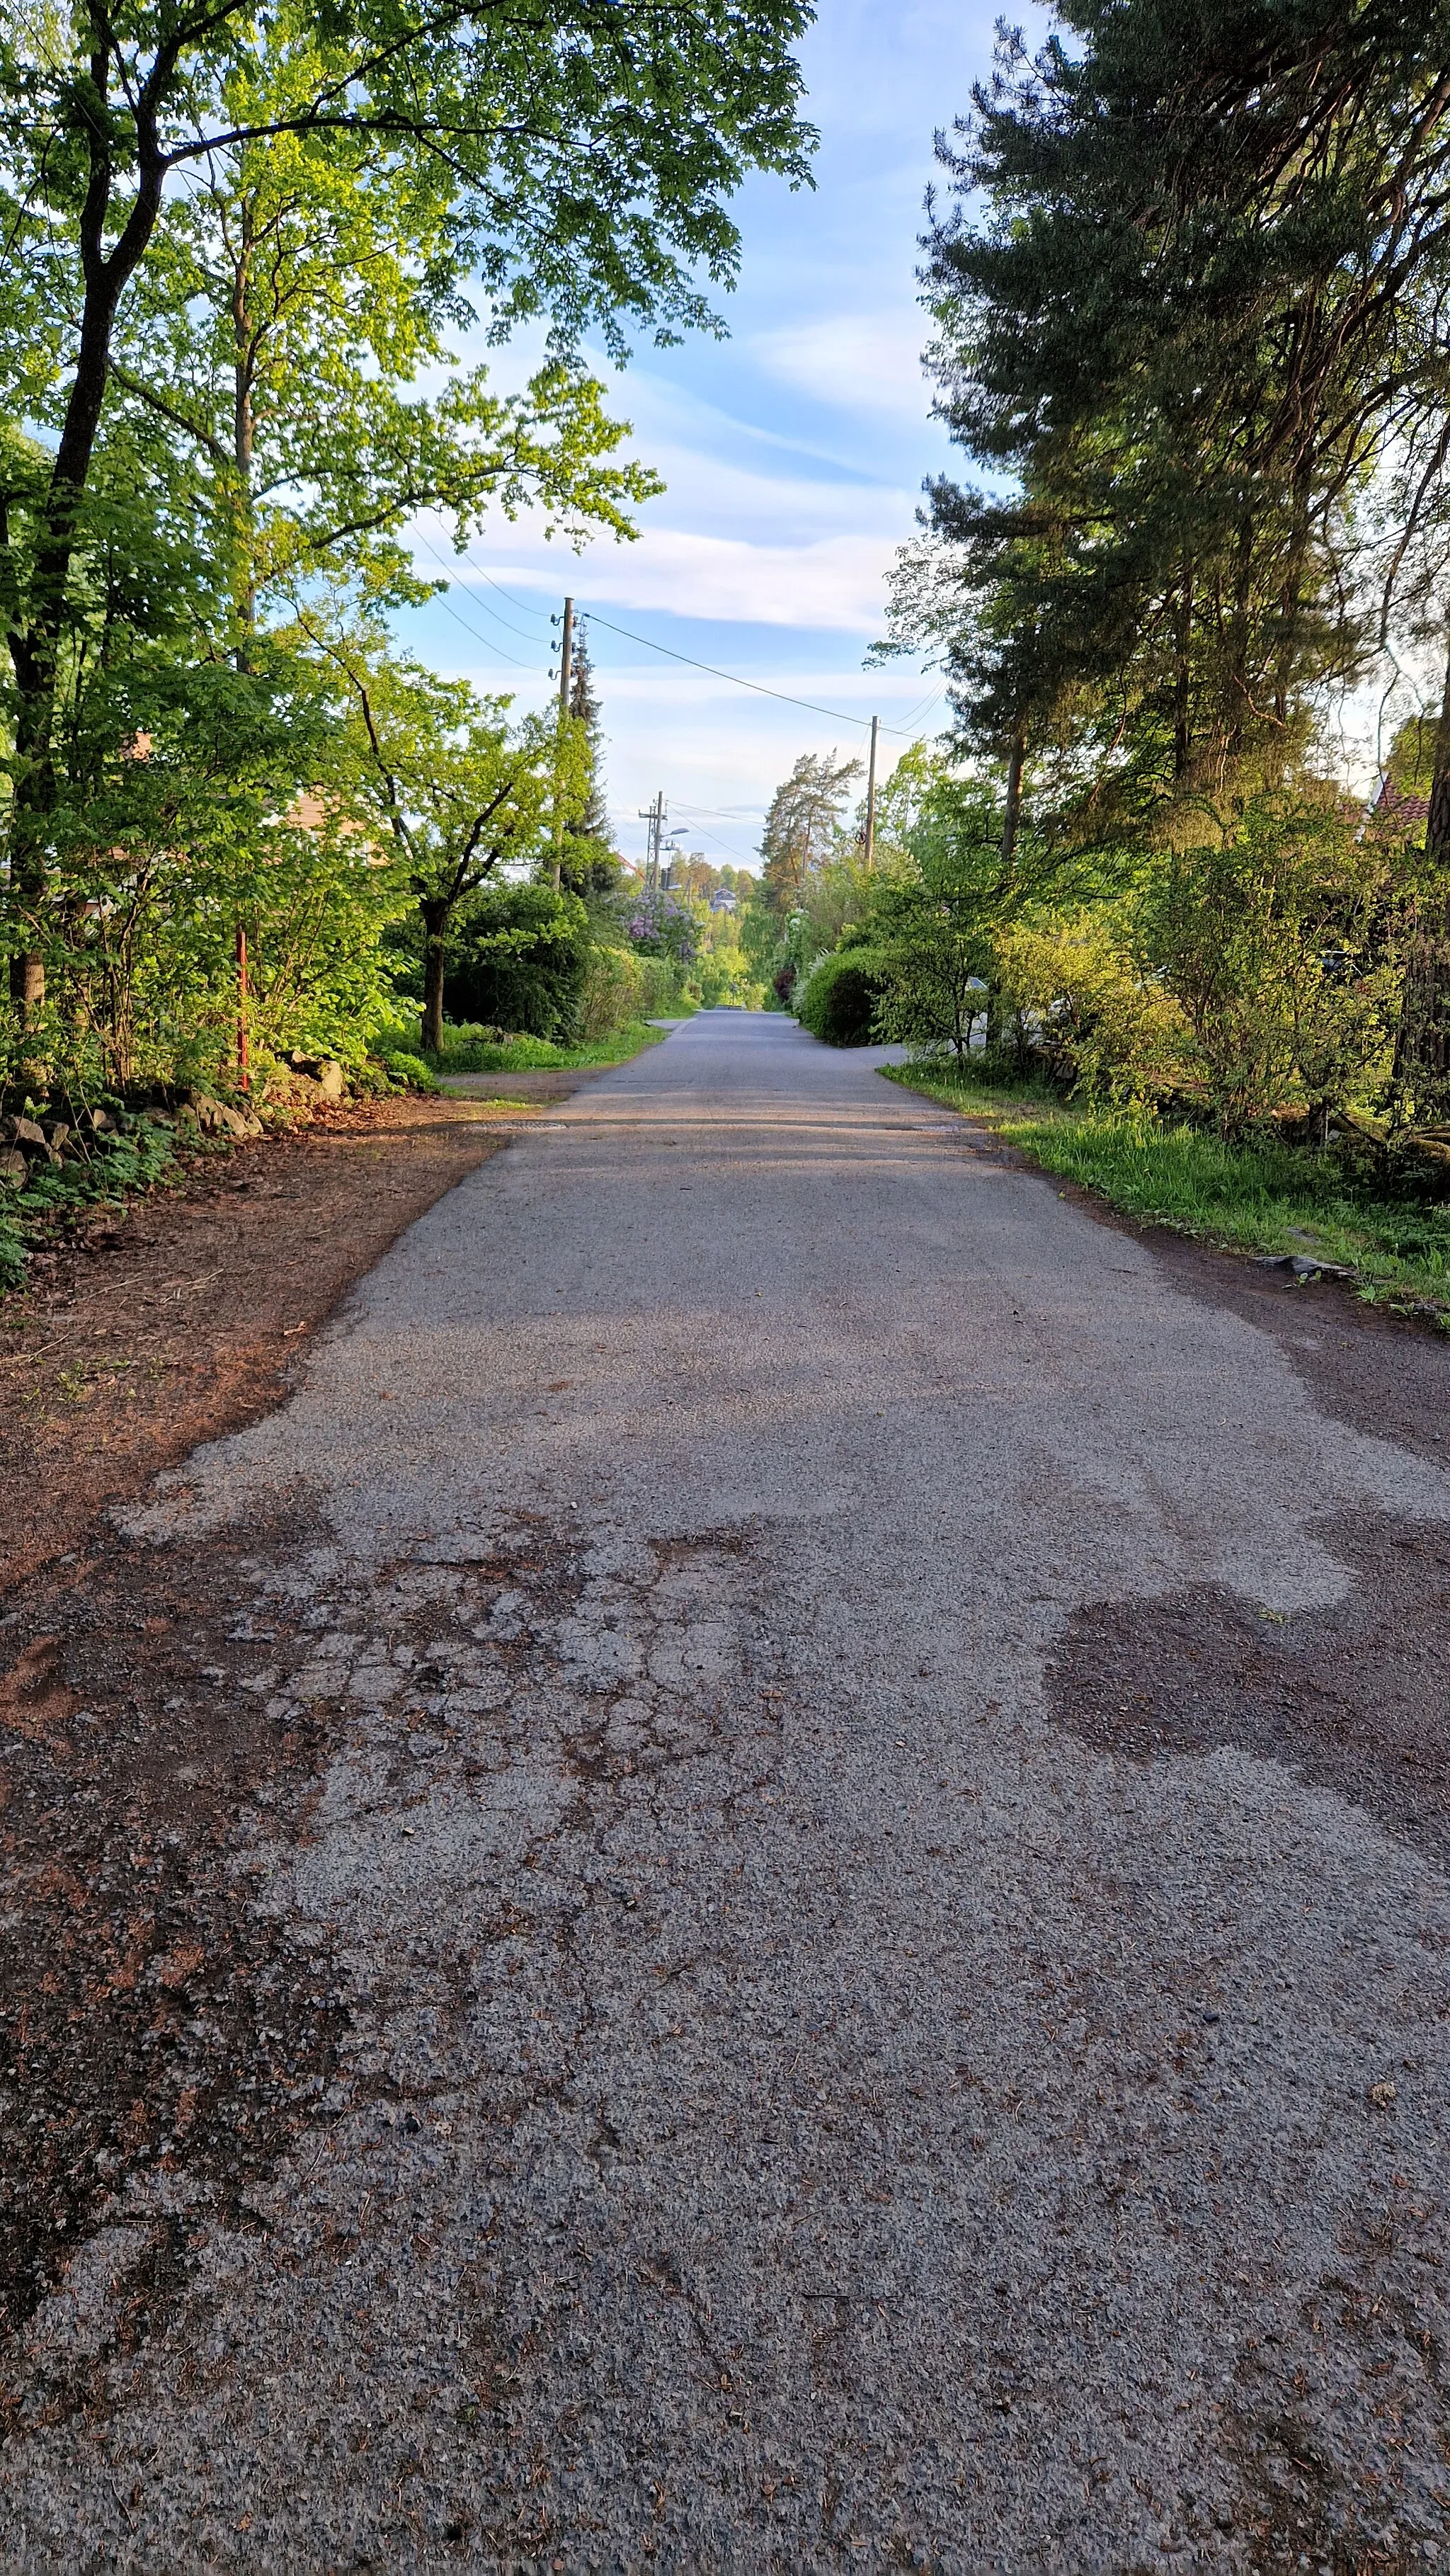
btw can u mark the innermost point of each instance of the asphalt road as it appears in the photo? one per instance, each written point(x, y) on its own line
point(803, 2103)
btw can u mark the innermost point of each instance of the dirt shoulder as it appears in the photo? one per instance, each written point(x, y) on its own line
point(144, 2003)
point(181, 1315)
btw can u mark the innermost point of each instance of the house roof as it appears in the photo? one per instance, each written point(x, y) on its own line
point(1393, 802)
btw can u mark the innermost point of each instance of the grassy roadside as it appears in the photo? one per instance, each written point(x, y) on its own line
point(464, 1053)
point(1258, 1199)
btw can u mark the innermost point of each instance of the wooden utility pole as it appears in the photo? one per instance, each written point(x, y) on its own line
point(566, 656)
point(871, 797)
point(566, 673)
point(654, 815)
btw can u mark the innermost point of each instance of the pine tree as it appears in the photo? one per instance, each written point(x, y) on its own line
point(1178, 299)
point(587, 862)
point(803, 826)
point(584, 708)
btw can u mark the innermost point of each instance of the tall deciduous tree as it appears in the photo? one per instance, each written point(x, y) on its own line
point(577, 162)
point(268, 361)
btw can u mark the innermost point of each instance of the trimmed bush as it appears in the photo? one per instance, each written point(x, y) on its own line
point(837, 1000)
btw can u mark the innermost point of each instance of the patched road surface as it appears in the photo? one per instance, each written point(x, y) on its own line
point(852, 1891)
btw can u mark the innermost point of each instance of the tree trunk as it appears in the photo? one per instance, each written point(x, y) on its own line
point(435, 931)
point(27, 988)
point(1236, 689)
point(1422, 1040)
point(244, 441)
point(35, 651)
point(1291, 598)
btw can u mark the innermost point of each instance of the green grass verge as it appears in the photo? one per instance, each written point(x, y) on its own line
point(1251, 1198)
point(461, 1054)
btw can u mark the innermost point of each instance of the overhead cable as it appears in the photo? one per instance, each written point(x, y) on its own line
point(836, 714)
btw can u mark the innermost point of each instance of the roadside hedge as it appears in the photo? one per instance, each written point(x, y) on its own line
point(838, 998)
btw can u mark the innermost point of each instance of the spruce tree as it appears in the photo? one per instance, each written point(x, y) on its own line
point(584, 708)
point(587, 863)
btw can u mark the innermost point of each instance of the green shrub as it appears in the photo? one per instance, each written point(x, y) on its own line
point(409, 1069)
point(837, 1000)
point(613, 991)
point(722, 978)
point(665, 997)
point(518, 960)
point(1271, 940)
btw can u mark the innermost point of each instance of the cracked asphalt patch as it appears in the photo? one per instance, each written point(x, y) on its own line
point(768, 2077)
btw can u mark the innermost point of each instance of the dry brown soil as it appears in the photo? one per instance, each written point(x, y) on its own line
point(181, 1315)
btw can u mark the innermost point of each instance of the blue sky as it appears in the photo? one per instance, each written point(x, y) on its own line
point(793, 453)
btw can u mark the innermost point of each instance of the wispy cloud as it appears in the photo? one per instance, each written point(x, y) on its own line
point(857, 362)
point(833, 583)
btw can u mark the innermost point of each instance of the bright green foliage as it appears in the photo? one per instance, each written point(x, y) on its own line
point(1272, 938)
point(1101, 1016)
point(518, 959)
point(404, 1066)
point(179, 825)
point(932, 922)
point(469, 1049)
point(803, 896)
point(237, 247)
point(722, 979)
point(618, 987)
point(265, 374)
point(453, 790)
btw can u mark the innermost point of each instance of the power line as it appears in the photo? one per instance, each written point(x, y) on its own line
point(723, 813)
point(925, 705)
point(474, 631)
point(836, 714)
point(538, 613)
point(758, 687)
point(486, 640)
point(504, 622)
point(748, 858)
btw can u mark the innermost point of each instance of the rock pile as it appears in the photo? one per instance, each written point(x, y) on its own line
point(316, 1080)
point(218, 1118)
point(30, 1145)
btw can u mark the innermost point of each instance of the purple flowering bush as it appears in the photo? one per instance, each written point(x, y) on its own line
point(658, 924)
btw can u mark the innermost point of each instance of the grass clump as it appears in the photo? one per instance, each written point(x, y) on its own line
point(467, 1050)
point(1260, 1197)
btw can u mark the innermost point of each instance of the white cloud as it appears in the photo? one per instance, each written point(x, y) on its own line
point(858, 362)
point(825, 582)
